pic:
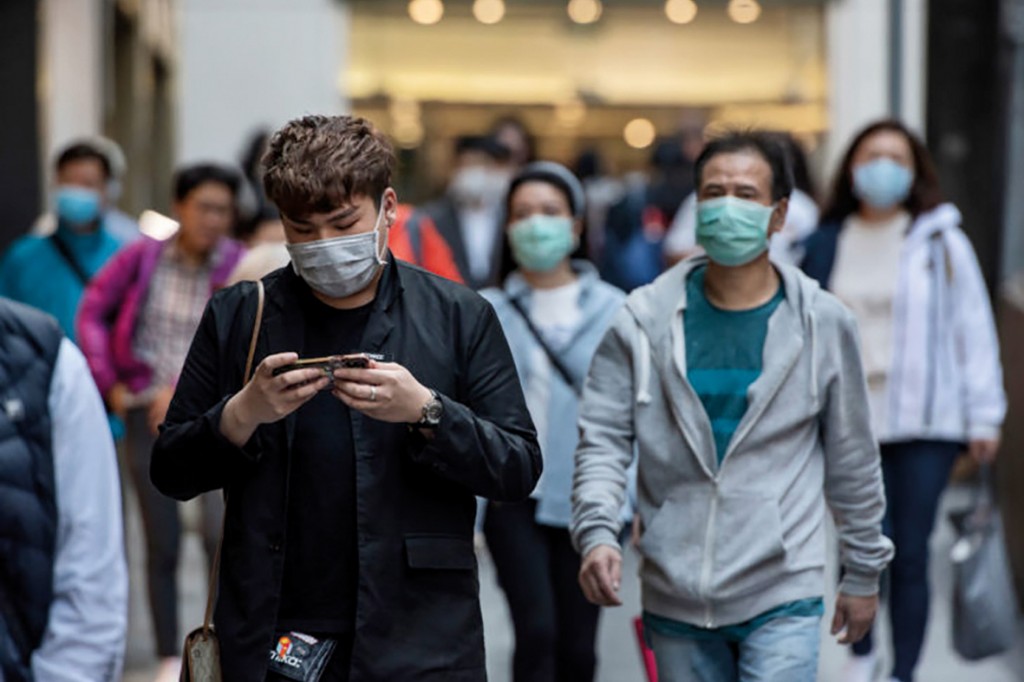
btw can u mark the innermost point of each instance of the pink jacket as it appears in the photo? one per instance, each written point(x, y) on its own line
point(110, 307)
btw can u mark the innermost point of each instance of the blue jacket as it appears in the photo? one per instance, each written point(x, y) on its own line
point(34, 272)
point(598, 304)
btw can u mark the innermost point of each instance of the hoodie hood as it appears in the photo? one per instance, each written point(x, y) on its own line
point(942, 218)
point(649, 304)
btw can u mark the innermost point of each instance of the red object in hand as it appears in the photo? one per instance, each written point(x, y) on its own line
point(646, 653)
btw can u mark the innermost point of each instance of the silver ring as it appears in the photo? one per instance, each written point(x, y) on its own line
point(373, 394)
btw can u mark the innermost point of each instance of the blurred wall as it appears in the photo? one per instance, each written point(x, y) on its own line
point(862, 67)
point(19, 161)
point(71, 93)
point(247, 64)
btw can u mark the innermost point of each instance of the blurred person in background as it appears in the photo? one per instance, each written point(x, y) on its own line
point(470, 216)
point(51, 272)
point(63, 578)
point(350, 491)
point(118, 223)
point(787, 245)
point(265, 227)
point(602, 191)
point(554, 311)
point(737, 385)
point(135, 326)
point(511, 132)
point(891, 248)
point(636, 225)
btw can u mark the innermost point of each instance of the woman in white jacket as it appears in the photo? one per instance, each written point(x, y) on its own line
point(892, 249)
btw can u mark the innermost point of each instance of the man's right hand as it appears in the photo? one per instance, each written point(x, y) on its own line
point(268, 398)
point(601, 575)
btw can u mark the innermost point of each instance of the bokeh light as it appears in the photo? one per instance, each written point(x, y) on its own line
point(585, 11)
point(681, 11)
point(426, 12)
point(744, 11)
point(489, 11)
point(639, 133)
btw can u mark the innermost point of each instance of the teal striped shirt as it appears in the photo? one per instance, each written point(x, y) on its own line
point(724, 355)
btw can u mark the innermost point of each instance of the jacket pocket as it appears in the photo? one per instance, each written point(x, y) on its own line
point(749, 552)
point(442, 552)
point(672, 543)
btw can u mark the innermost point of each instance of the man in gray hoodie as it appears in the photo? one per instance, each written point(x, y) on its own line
point(738, 384)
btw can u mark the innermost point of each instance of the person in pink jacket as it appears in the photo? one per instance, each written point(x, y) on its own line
point(135, 325)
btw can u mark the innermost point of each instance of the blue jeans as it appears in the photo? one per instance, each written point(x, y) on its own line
point(915, 474)
point(782, 649)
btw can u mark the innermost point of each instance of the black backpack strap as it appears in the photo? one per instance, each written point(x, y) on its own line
point(70, 259)
point(556, 361)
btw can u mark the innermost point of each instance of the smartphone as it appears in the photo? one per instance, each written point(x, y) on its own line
point(355, 361)
point(327, 364)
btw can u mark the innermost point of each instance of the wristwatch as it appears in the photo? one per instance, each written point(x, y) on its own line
point(432, 412)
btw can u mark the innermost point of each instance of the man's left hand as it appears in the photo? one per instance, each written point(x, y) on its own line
point(854, 617)
point(385, 391)
point(157, 411)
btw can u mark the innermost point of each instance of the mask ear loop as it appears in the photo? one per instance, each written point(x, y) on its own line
point(379, 250)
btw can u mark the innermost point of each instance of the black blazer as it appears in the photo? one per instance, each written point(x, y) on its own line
point(418, 612)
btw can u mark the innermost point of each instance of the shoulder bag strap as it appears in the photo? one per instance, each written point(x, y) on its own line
point(211, 592)
point(556, 361)
point(69, 258)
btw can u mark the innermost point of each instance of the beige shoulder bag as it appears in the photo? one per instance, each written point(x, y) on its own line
point(201, 656)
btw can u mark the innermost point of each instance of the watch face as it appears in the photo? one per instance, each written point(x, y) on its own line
point(432, 411)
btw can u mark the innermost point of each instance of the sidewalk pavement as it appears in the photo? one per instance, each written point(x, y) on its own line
point(617, 650)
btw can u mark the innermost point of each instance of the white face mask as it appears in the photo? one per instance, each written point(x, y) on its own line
point(476, 186)
point(342, 266)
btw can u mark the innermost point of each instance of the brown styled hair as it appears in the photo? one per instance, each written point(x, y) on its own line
point(924, 195)
point(315, 164)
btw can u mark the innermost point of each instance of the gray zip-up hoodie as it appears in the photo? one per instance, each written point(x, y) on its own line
point(722, 544)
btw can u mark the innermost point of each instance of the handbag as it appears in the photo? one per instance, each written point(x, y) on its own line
point(984, 604)
point(201, 654)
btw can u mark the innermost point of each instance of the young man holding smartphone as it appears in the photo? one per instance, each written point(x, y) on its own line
point(350, 492)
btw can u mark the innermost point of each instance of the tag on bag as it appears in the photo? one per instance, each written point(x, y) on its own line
point(301, 657)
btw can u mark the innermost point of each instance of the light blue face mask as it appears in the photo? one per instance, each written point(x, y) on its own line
point(882, 183)
point(539, 243)
point(77, 205)
point(733, 231)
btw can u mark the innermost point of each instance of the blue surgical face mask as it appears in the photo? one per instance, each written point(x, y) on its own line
point(539, 243)
point(882, 183)
point(77, 205)
point(733, 231)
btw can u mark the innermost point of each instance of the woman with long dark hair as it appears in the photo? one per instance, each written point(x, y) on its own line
point(891, 248)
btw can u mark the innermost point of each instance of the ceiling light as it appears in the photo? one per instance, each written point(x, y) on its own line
point(639, 133)
point(584, 11)
point(489, 11)
point(680, 11)
point(426, 12)
point(744, 11)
